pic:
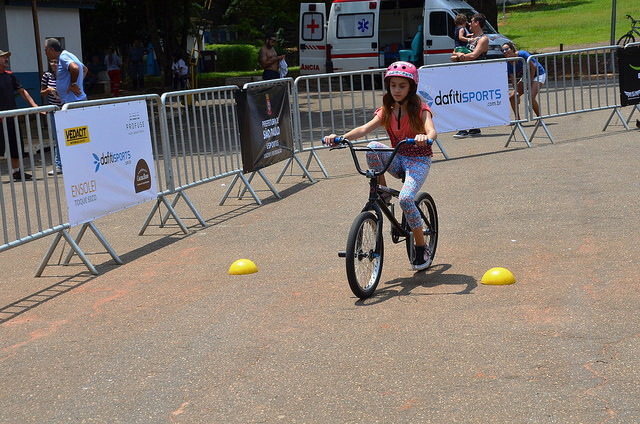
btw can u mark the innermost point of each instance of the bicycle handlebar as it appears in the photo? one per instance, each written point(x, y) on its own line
point(341, 142)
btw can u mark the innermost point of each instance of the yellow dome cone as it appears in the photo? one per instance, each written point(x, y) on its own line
point(498, 276)
point(242, 266)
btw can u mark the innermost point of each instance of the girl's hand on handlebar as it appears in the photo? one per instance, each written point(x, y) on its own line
point(423, 140)
point(329, 140)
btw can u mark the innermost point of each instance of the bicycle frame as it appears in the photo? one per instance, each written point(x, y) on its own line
point(376, 202)
point(365, 251)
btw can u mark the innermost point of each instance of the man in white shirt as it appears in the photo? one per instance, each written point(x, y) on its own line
point(179, 70)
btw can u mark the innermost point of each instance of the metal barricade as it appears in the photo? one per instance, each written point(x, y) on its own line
point(159, 145)
point(522, 83)
point(32, 202)
point(202, 143)
point(335, 103)
point(258, 85)
point(30, 208)
point(577, 81)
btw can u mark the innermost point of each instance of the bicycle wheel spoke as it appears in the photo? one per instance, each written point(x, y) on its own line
point(364, 263)
point(427, 208)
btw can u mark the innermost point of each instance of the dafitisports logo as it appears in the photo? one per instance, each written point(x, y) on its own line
point(78, 135)
point(456, 96)
point(109, 158)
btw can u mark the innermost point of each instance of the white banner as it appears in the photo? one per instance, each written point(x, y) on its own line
point(466, 96)
point(107, 159)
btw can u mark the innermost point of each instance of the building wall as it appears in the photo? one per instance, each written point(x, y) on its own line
point(52, 22)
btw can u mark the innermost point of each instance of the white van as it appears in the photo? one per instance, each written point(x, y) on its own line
point(371, 34)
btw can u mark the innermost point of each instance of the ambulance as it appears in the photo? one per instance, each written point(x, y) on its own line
point(371, 34)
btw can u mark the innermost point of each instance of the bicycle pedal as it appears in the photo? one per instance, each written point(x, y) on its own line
point(342, 254)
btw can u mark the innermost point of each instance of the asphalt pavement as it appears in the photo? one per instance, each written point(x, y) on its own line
point(171, 337)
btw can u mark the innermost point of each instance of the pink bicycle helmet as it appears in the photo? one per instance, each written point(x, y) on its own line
point(402, 69)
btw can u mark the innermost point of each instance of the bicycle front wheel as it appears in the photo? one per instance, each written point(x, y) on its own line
point(363, 259)
point(626, 39)
point(429, 214)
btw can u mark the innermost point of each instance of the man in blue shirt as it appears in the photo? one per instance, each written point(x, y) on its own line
point(71, 72)
point(69, 80)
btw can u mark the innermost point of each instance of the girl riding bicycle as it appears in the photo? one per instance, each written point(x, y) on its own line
point(404, 115)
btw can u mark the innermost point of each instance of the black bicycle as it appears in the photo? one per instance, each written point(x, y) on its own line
point(629, 37)
point(365, 245)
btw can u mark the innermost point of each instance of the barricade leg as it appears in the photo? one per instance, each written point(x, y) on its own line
point(162, 198)
point(540, 123)
point(266, 180)
point(617, 112)
point(517, 126)
point(182, 194)
point(314, 155)
point(238, 176)
point(290, 162)
point(73, 246)
point(632, 112)
point(442, 149)
point(284, 169)
point(100, 238)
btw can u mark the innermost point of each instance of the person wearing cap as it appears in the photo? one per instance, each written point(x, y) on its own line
point(9, 85)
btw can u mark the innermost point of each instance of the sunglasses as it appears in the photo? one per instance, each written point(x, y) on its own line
point(505, 50)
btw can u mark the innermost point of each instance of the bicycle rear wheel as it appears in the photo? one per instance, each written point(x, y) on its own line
point(363, 260)
point(626, 39)
point(429, 214)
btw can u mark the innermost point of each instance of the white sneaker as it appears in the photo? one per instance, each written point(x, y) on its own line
point(461, 134)
point(57, 170)
point(422, 259)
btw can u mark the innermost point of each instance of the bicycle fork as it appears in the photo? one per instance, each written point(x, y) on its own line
point(397, 229)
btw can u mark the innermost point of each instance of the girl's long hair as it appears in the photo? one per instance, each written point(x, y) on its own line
point(411, 105)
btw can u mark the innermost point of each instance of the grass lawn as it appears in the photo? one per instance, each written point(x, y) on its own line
point(568, 22)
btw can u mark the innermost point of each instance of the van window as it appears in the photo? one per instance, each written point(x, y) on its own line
point(312, 26)
point(355, 25)
point(441, 23)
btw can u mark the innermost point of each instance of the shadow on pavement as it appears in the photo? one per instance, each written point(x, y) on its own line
point(433, 277)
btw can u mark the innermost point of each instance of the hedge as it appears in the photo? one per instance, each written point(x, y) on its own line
point(235, 57)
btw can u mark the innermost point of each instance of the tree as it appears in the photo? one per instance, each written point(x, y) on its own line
point(253, 19)
point(116, 23)
point(487, 7)
point(168, 25)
